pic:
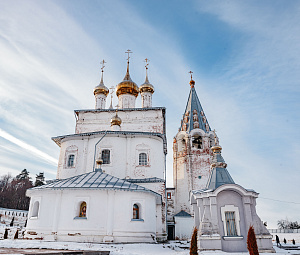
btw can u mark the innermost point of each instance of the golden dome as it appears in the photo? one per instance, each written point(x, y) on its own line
point(101, 88)
point(116, 120)
point(216, 148)
point(192, 83)
point(146, 86)
point(127, 86)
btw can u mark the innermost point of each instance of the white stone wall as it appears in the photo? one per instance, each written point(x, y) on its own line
point(146, 99)
point(184, 227)
point(124, 155)
point(191, 166)
point(142, 120)
point(100, 101)
point(109, 216)
point(126, 101)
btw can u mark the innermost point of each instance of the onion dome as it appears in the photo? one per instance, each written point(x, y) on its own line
point(101, 88)
point(116, 120)
point(127, 86)
point(216, 148)
point(146, 86)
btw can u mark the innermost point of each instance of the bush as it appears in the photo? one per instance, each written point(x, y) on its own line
point(251, 242)
point(194, 248)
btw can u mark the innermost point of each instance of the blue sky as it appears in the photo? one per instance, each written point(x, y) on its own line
point(246, 64)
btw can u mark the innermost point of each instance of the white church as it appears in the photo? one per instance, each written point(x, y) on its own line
point(111, 179)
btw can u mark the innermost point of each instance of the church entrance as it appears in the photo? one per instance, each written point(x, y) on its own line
point(171, 232)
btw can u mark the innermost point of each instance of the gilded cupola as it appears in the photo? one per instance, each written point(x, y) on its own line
point(127, 86)
point(115, 120)
point(146, 89)
point(101, 88)
point(101, 91)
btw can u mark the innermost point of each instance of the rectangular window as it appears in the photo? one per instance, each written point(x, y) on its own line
point(143, 159)
point(106, 156)
point(71, 160)
point(168, 195)
point(230, 224)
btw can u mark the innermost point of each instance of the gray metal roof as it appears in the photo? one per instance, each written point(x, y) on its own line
point(218, 177)
point(124, 109)
point(193, 103)
point(58, 139)
point(145, 180)
point(94, 180)
point(182, 214)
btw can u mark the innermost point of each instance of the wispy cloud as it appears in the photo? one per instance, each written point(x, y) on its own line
point(28, 147)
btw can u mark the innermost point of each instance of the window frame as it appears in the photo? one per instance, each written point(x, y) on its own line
point(144, 160)
point(235, 210)
point(109, 156)
point(69, 160)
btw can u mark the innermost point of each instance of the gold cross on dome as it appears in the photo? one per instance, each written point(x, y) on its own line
point(191, 74)
point(128, 52)
point(103, 65)
point(216, 141)
point(147, 62)
point(112, 90)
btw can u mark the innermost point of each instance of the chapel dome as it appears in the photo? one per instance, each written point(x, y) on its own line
point(127, 86)
point(115, 120)
point(101, 89)
point(146, 86)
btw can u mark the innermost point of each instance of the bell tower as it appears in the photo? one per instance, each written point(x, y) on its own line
point(192, 152)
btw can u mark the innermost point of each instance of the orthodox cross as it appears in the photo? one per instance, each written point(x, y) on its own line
point(190, 72)
point(128, 52)
point(103, 65)
point(111, 96)
point(147, 62)
point(216, 141)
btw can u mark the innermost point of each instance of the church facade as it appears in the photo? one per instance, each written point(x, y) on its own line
point(111, 179)
point(111, 174)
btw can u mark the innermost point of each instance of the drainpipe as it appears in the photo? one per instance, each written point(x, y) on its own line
point(95, 149)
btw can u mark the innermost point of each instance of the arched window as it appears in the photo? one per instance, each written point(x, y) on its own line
point(71, 160)
point(106, 156)
point(197, 142)
point(82, 210)
point(136, 212)
point(143, 159)
point(35, 210)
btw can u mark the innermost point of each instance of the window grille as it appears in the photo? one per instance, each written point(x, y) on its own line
point(71, 160)
point(143, 159)
point(136, 212)
point(230, 224)
point(106, 156)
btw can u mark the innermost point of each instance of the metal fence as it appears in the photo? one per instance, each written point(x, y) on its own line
point(284, 230)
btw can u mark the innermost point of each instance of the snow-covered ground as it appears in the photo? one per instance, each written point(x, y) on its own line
point(171, 248)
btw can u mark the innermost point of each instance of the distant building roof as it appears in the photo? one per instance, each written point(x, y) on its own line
point(182, 214)
point(94, 180)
